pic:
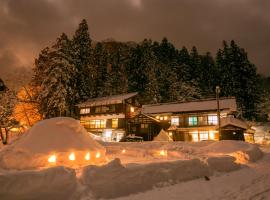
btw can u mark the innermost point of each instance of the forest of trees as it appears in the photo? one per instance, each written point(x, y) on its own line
point(75, 69)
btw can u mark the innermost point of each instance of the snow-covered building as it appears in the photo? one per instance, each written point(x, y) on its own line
point(115, 116)
point(107, 116)
point(198, 120)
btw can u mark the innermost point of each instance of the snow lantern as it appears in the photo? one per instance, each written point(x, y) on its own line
point(53, 142)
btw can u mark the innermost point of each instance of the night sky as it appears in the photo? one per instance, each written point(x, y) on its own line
point(27, 26)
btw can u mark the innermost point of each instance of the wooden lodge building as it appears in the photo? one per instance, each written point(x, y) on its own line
point(114, 117)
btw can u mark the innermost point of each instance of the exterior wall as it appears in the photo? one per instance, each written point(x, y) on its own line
point(108, 121)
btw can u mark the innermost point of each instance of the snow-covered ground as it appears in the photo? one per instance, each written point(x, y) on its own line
point(143, 170)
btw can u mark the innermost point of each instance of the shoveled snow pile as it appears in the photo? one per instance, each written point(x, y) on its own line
point(163, 136)
point(114, 180)
point(54, 184)
point(57, 136)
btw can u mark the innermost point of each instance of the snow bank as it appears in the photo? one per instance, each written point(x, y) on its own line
point(114, 180)
point(223, 163)
point(57, 136)
point(54, 184)
point(242, 151)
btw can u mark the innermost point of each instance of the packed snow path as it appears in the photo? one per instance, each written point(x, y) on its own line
point(249, 183)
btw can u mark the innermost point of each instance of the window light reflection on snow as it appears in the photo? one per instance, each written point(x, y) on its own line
point(71, 156)
point(52, 159)
point(87, 156)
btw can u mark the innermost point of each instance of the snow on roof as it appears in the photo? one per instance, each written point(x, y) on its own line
point(199, 105)
point(225, 121)
point(107, 100)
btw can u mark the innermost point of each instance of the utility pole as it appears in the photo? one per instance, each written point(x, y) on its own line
point(218, 109)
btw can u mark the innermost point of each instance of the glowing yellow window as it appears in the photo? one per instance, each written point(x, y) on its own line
point(114, 123)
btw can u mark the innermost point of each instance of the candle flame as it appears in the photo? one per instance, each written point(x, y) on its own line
point(97, 155)
point(52, 159)
point(87, 156)
point(72, 156)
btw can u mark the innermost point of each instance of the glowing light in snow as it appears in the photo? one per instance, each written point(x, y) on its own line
point(52, 159)
point(71, 156)
point(123, 151)
point(87, 156)
point(163, 153)
point(98, 155)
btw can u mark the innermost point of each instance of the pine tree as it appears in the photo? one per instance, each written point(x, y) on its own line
point(57, 92)
point(82, 53)
point(238, 77)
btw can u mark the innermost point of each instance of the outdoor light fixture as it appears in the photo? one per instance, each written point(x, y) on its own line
point(98, 155)
point(131, 109)
point(71, 156)
point(52, 159)
point(87, 156)
point(165, 118)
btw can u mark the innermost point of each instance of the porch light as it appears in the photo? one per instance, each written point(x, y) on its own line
point(87, 156)
point(52, 159)
point(71, 156)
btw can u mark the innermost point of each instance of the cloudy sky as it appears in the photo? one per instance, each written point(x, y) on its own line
point(26, 26)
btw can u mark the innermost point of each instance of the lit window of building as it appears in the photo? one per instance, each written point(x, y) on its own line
point(193, 121)
point(144, 126)
point(85, 111)
point(194, 136)
point(114, 123)
point(203, 135)
point(175, 121)
point(212, 120)
point(98, 123)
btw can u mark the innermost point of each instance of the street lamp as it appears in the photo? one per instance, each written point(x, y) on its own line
point(218, 109)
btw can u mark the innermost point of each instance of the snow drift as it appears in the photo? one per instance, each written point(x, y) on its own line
point(54, 184)
point(57, 136)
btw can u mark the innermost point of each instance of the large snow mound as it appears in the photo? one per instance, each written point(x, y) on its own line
point(57, 136)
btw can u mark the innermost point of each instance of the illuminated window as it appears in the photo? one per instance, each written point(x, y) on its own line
point(212, 120)
point(203, 135)
point(98, 123)
point(161, 118)
point(194, 136)
point(85, 111)
point(165, 118)
point(114, 123)
point(144, 126)
point(193, 121)
point(175, 121)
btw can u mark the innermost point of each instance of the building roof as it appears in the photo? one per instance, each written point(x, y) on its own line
point(192, 106)
point(226, 121)
point(107, 100)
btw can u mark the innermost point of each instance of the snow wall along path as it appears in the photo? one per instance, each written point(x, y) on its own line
point(57, 136)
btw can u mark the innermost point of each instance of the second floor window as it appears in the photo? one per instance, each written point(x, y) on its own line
point(193, 121)
point(114, 123)
point(85, 111)
point(98, 123)
point(212, 120)
point(175, 121)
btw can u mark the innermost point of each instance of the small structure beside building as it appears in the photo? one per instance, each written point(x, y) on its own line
point(121, 115)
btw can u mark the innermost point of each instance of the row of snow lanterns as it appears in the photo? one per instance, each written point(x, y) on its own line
point(72, 157)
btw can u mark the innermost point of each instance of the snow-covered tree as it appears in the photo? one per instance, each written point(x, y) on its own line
point(83, 60)
point(56, 92)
